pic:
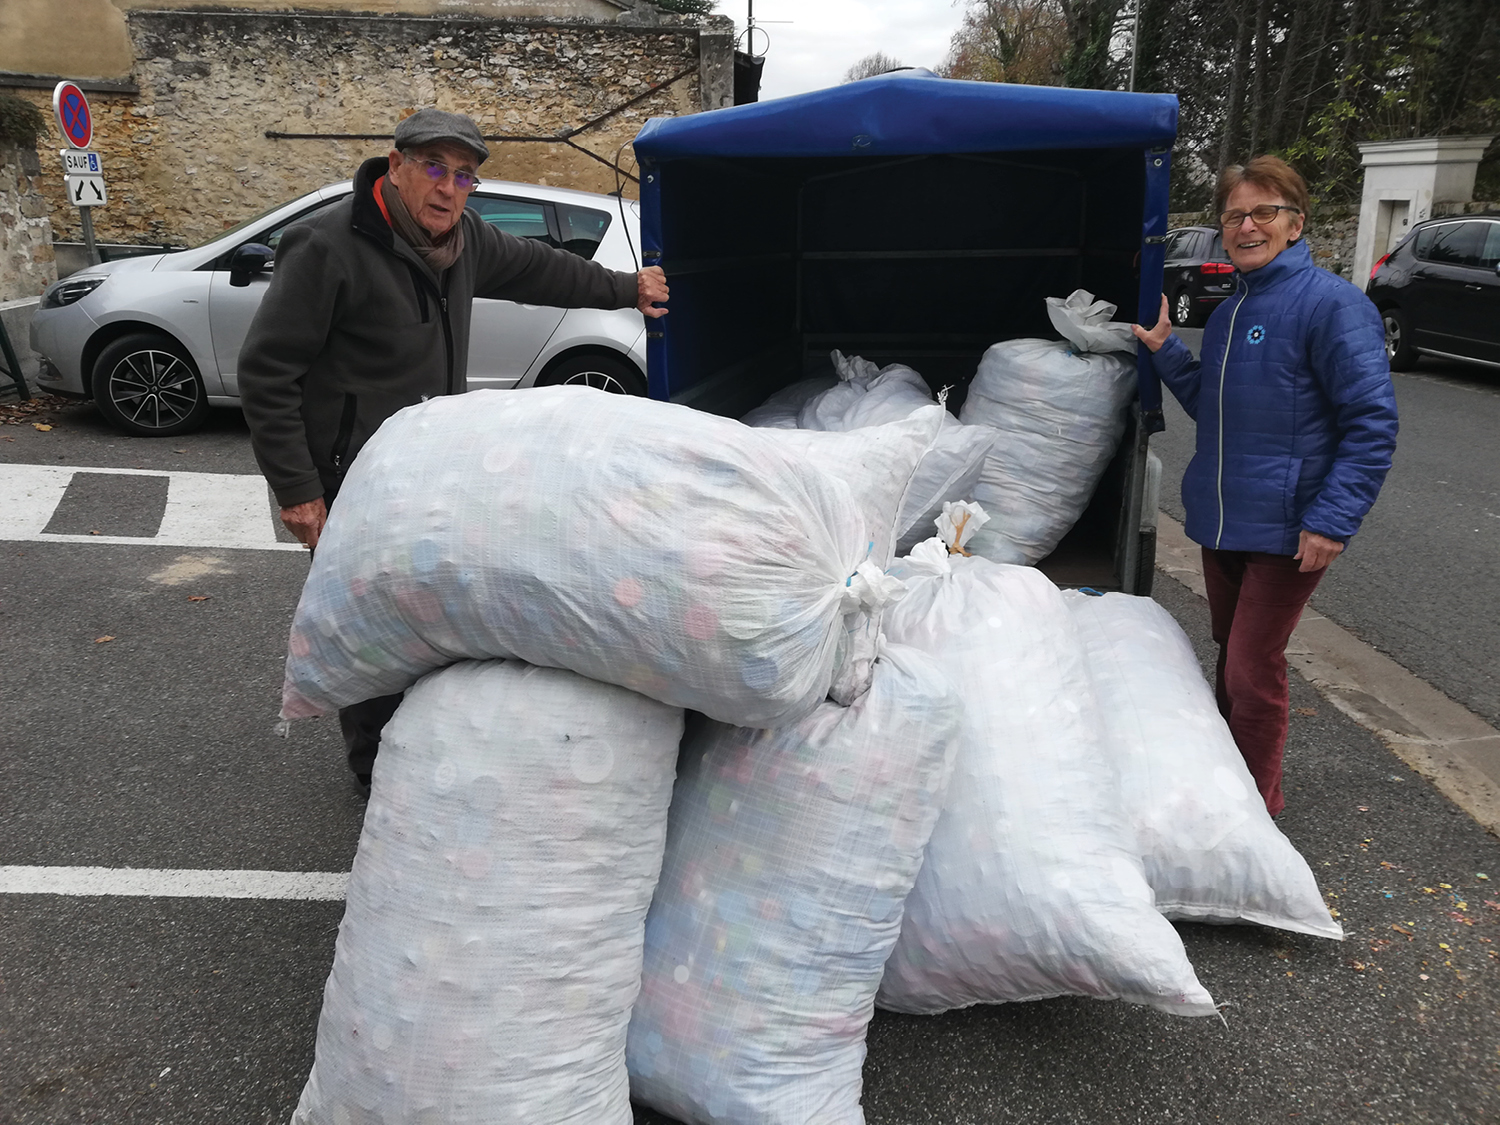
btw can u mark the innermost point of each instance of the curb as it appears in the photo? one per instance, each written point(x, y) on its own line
point(1440, 739)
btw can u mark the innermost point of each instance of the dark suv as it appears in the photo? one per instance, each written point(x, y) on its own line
point(1438, 291)
point(1197, 274)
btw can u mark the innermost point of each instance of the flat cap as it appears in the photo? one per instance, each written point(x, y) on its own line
point(431, 125)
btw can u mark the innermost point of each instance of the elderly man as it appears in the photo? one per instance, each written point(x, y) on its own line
point(368, 312)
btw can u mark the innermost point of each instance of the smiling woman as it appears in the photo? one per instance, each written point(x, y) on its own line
point(1301, 423)
point(1260, 213)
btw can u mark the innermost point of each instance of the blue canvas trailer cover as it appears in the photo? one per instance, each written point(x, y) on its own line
point(910, 112)
point(753, 211)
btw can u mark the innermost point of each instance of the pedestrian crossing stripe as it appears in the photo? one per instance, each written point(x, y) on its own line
point(224, 510)
point(140, 882)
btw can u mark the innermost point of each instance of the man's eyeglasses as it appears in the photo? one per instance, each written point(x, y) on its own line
point(1265, 213)
point(436, 170)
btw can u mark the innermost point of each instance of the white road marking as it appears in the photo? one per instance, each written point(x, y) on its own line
point(203, 509)
point(219, 510)
point(31, 494)
point(323, 886)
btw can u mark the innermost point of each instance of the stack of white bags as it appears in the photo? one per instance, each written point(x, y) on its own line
point(926, 784)
point(864, 396)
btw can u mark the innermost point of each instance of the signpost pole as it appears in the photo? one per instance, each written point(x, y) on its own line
point(87, 215)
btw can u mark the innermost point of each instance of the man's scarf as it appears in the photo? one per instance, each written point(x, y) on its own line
point(439, 253)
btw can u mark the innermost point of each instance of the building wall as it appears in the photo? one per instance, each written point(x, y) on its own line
point(26, 262)
point(187, 156)
point(89, 38)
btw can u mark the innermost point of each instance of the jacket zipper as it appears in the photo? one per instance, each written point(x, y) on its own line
point(447, 332)
point(1223, 367)
point(346, 432)
point(421, 283)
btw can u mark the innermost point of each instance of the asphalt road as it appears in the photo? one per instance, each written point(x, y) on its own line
point(157, 749)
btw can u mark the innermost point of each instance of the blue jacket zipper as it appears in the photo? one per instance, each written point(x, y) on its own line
point(1223, 367)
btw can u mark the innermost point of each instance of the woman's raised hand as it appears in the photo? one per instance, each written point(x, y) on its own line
point(1157, 336)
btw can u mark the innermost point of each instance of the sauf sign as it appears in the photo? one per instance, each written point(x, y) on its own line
point(83, 173)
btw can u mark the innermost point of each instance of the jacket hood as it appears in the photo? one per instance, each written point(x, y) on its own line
point(1293, 260)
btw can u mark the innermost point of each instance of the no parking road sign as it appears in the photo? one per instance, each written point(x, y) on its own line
point(73, 116)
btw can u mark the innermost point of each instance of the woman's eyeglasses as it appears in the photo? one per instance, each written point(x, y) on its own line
point(436, 170)
point(1263, 214)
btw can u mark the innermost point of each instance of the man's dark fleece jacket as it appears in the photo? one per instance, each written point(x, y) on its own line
point(355, 326)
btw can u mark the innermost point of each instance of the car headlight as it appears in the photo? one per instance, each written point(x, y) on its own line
point(70, 289)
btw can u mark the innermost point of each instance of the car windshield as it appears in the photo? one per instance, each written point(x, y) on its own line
point(250, 222)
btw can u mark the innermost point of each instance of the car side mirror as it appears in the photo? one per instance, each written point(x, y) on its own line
point(247, 261)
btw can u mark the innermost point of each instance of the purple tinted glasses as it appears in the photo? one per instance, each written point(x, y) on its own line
point(436, 170)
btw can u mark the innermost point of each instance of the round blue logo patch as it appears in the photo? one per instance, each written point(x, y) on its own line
point(1256, 335)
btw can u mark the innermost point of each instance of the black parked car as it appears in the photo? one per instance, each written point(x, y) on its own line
point(1197, 274)
point(1438, 291)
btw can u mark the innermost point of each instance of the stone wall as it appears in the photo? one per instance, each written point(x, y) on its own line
point(26, 262)
point(1491, 207)
point(188, 156)
point(90, 39)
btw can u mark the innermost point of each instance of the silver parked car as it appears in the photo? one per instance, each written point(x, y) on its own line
point(154, 340)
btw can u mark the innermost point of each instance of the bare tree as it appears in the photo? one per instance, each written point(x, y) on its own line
point(873, 65)
point(1010, 41)
point(1258, 86)
point(1092, 27)
point(1229, 145)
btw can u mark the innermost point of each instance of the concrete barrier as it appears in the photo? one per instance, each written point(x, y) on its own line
point(17, 318)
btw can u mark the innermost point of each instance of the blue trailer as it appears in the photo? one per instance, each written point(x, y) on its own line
point(912, 219)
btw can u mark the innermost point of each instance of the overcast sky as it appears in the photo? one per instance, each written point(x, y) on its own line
point(827, 37)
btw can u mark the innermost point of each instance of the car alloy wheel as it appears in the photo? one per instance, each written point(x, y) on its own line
point(599, 380)
point(1398, 349)
point(146, 385)
point(602, 372)
point(1183, 312)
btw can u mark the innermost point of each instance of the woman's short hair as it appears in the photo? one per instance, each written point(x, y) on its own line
point(1270, 173)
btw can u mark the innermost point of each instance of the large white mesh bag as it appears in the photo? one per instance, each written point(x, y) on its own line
point(1031, 887)
point(879, 463)
point(789, 853)
point(779, 412)
point(1212, 852)
point(491, 945)
point(681, 555)
point(1059, 409)
point(868, 396)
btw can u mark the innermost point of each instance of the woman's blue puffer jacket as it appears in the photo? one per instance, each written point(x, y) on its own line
point(1295, 409)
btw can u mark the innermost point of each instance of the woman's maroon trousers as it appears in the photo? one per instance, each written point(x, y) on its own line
point(1254, 603)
